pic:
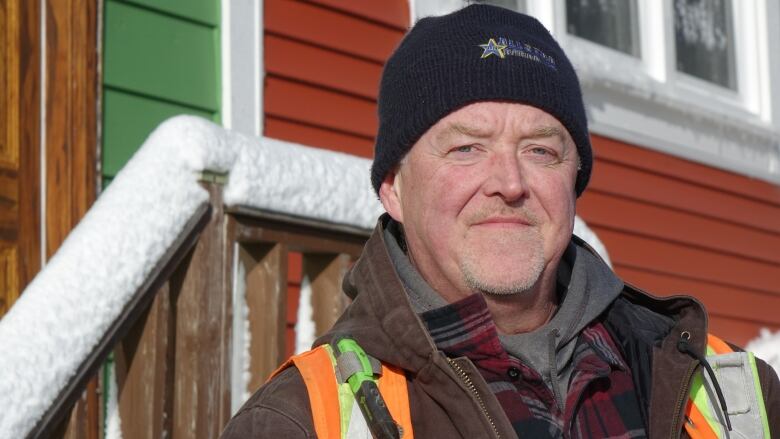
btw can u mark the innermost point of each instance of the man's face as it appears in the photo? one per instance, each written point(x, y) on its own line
point(486, 198)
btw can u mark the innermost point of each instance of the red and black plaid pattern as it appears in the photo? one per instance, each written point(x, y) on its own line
point(601, 401)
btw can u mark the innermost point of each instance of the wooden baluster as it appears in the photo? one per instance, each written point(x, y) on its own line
point(325, 272)
point(202, 363)
point(144, 370)
point(265, 266)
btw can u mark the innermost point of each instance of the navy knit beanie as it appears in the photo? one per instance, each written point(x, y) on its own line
point(478, 53)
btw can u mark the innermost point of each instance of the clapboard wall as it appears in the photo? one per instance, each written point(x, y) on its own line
point(674, 226)
point(670, 225)
point(323, 59)
point(160, 59)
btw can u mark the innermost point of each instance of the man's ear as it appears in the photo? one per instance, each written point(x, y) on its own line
point(390, 194)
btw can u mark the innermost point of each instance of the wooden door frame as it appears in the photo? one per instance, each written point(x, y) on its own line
point(72, 102)
point(71, 142)
point(19, 147)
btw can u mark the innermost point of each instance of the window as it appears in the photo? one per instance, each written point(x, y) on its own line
point(611, 23)
point(704, 39)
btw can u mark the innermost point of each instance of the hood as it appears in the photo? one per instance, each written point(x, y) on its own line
point(588, 287)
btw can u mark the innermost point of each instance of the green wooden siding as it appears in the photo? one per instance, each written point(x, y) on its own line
point(203, 11)
point(159, 59)
point(131, 118)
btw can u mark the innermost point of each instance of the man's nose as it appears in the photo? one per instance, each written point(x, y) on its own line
point(507, 178)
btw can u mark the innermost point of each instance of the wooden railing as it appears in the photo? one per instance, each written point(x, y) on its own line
point(179, 367)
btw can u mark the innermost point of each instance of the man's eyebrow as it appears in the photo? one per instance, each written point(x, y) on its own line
point(460, 128)
point(547, 131)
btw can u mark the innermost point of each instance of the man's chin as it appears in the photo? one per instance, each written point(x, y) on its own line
point(496, 282)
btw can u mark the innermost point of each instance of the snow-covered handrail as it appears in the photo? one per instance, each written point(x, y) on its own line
point(67, 309)
point(136, 227)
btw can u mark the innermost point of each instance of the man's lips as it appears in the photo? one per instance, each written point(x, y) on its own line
point(503, 221)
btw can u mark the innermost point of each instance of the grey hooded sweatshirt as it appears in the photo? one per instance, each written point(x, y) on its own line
point(585, 290)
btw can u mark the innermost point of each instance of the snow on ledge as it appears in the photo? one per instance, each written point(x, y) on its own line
point(586, 234)
point(767, 347)
point(303, 181)
point(67, 308)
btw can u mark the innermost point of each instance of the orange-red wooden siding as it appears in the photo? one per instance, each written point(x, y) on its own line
point(323, 60)
point(670, 225)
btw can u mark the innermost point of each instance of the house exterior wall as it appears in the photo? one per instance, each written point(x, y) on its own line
point(671, 225)
point(323, 60)
point(160, 59)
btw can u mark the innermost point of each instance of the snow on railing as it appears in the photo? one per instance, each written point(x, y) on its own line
point(767, 347)
point(63, 313)
point(68, 308)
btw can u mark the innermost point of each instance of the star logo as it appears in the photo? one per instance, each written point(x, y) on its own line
point(492, 48)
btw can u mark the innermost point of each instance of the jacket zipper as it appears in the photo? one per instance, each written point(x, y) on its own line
point(466, 380)
point(682, 398)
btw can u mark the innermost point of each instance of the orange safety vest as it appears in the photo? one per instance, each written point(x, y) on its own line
point(317, 368)
point(330, 420)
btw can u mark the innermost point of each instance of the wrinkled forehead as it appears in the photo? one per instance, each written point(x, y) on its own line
point(483, 120)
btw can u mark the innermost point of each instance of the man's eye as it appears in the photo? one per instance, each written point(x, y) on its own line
point(464, 148)
point(542, 155)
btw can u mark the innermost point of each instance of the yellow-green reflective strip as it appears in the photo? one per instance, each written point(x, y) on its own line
point(710, 351)
point(702, 401)
point(759, 396)
point(346, 398)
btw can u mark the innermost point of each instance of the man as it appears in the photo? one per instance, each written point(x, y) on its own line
point(472, 287)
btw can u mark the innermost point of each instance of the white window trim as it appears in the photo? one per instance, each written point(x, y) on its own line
point(243, 72)
point(242, 65)
point(648, 103)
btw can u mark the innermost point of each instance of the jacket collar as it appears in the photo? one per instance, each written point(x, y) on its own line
point(648, 328)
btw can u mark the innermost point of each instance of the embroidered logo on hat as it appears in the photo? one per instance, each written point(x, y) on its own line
point(503, 47)
point(492, 48)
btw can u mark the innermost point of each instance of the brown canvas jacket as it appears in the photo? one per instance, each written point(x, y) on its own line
point(442, 403)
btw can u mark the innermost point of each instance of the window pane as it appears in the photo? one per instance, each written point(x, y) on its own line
point(515, 5)
point(612, 23)
point(704, 35)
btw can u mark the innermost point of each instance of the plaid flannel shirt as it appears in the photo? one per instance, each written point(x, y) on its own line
point(600, 403)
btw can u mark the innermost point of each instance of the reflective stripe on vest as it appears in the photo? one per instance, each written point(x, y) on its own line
point(738, 377)
point(345, 420)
